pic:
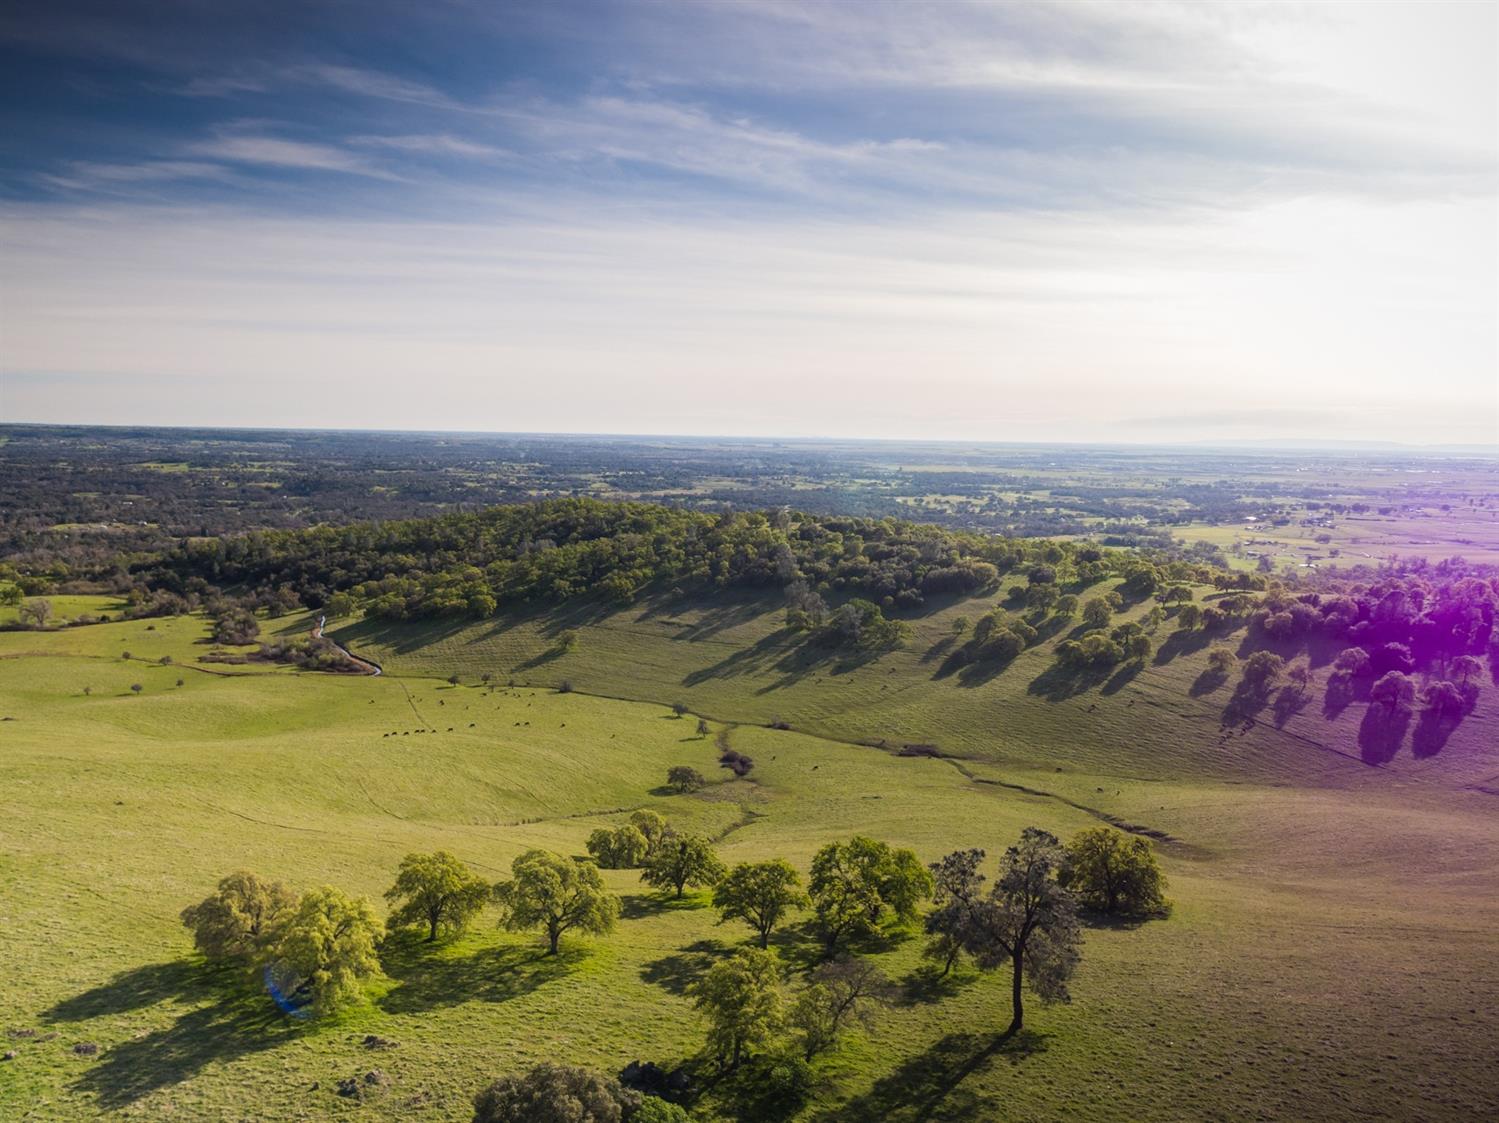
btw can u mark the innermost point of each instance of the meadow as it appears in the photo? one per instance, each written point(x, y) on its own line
point(1329, 953)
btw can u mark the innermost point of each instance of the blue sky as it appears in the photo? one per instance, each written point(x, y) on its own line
point(974, 221)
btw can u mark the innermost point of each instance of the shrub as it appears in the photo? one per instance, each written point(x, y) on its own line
point(1115, 873)
point(736, 762)
point(682, 779)
point(236, 627)
point(653, 1109)
point(554, 1093)
point(1221, 660)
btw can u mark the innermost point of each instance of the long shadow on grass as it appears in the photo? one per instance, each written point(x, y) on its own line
point(1431, 733)
point(675, 973)
point(1058, 683)
point(1181, 643)
point(927, 985)
point(238, 1020)
point(638, 906)
point(1381, 732)
point(929, 1085)
point(745, 660)
point(138, 988)
point(431, 976)
point(1289, 701)
point(1207, 682)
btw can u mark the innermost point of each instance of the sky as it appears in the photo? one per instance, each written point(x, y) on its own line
point(1143, 222)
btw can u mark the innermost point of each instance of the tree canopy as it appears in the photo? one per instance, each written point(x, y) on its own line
point(1116, 873)
point(741, 998)
point(760, 894)
point(682, 860)
point(855, 884)
point(555, 1093)
point(244, 917)
point(329, 947)
point(1028, 919)
point(438, 891)
point(556, 894)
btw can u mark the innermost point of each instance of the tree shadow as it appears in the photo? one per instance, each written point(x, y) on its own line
point(1431, 733)
point(236, 1020)
point(431, 977)
point(639, 906)
point(744, 660)
point(550, 655)
point(939, 649)
point(1207, 682)
point(216, 1034)
point(1246, 704)
point(1289, 701)
point(980, 671)
point(1122, 677)
point(1058, 683)
point(675, 973)
point(929, 1084)
point(928, 985)
point(1381, 732)
point(1181, 643)
point(140, 987)
point(809, 657)
point(401, 638)
point(1342, 692)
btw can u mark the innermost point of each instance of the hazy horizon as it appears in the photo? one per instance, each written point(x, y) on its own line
point(1041, 223)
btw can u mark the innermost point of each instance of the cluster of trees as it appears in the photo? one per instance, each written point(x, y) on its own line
point(1402, 621)
point(321, 945)
point(318, 949)
point(996, 636)
point(472, 564)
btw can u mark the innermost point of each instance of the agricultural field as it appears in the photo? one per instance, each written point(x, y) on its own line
point(1293, 865)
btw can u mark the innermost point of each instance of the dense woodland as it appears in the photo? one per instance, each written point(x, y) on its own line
point(474, 564)
point(80, 506)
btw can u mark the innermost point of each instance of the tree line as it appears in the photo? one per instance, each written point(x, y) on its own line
point(475, 564)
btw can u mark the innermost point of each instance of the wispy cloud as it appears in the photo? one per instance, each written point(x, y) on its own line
point(437, 144)
point(282, 153)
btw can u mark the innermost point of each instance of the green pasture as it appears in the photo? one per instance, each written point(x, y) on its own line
point(1330, 953)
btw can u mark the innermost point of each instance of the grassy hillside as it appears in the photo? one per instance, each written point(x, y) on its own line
point(730, 656)
point(1329, 955)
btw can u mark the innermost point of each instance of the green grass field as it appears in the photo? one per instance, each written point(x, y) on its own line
point(1330, 954)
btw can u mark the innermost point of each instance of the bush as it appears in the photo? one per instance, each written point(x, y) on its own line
point(773, 1087)
point(736, 762)
point(1115, 873)
point(682, 779)
point(554, 1093)
point(1221, 660)
point(653, 1109)
point(236, 627)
